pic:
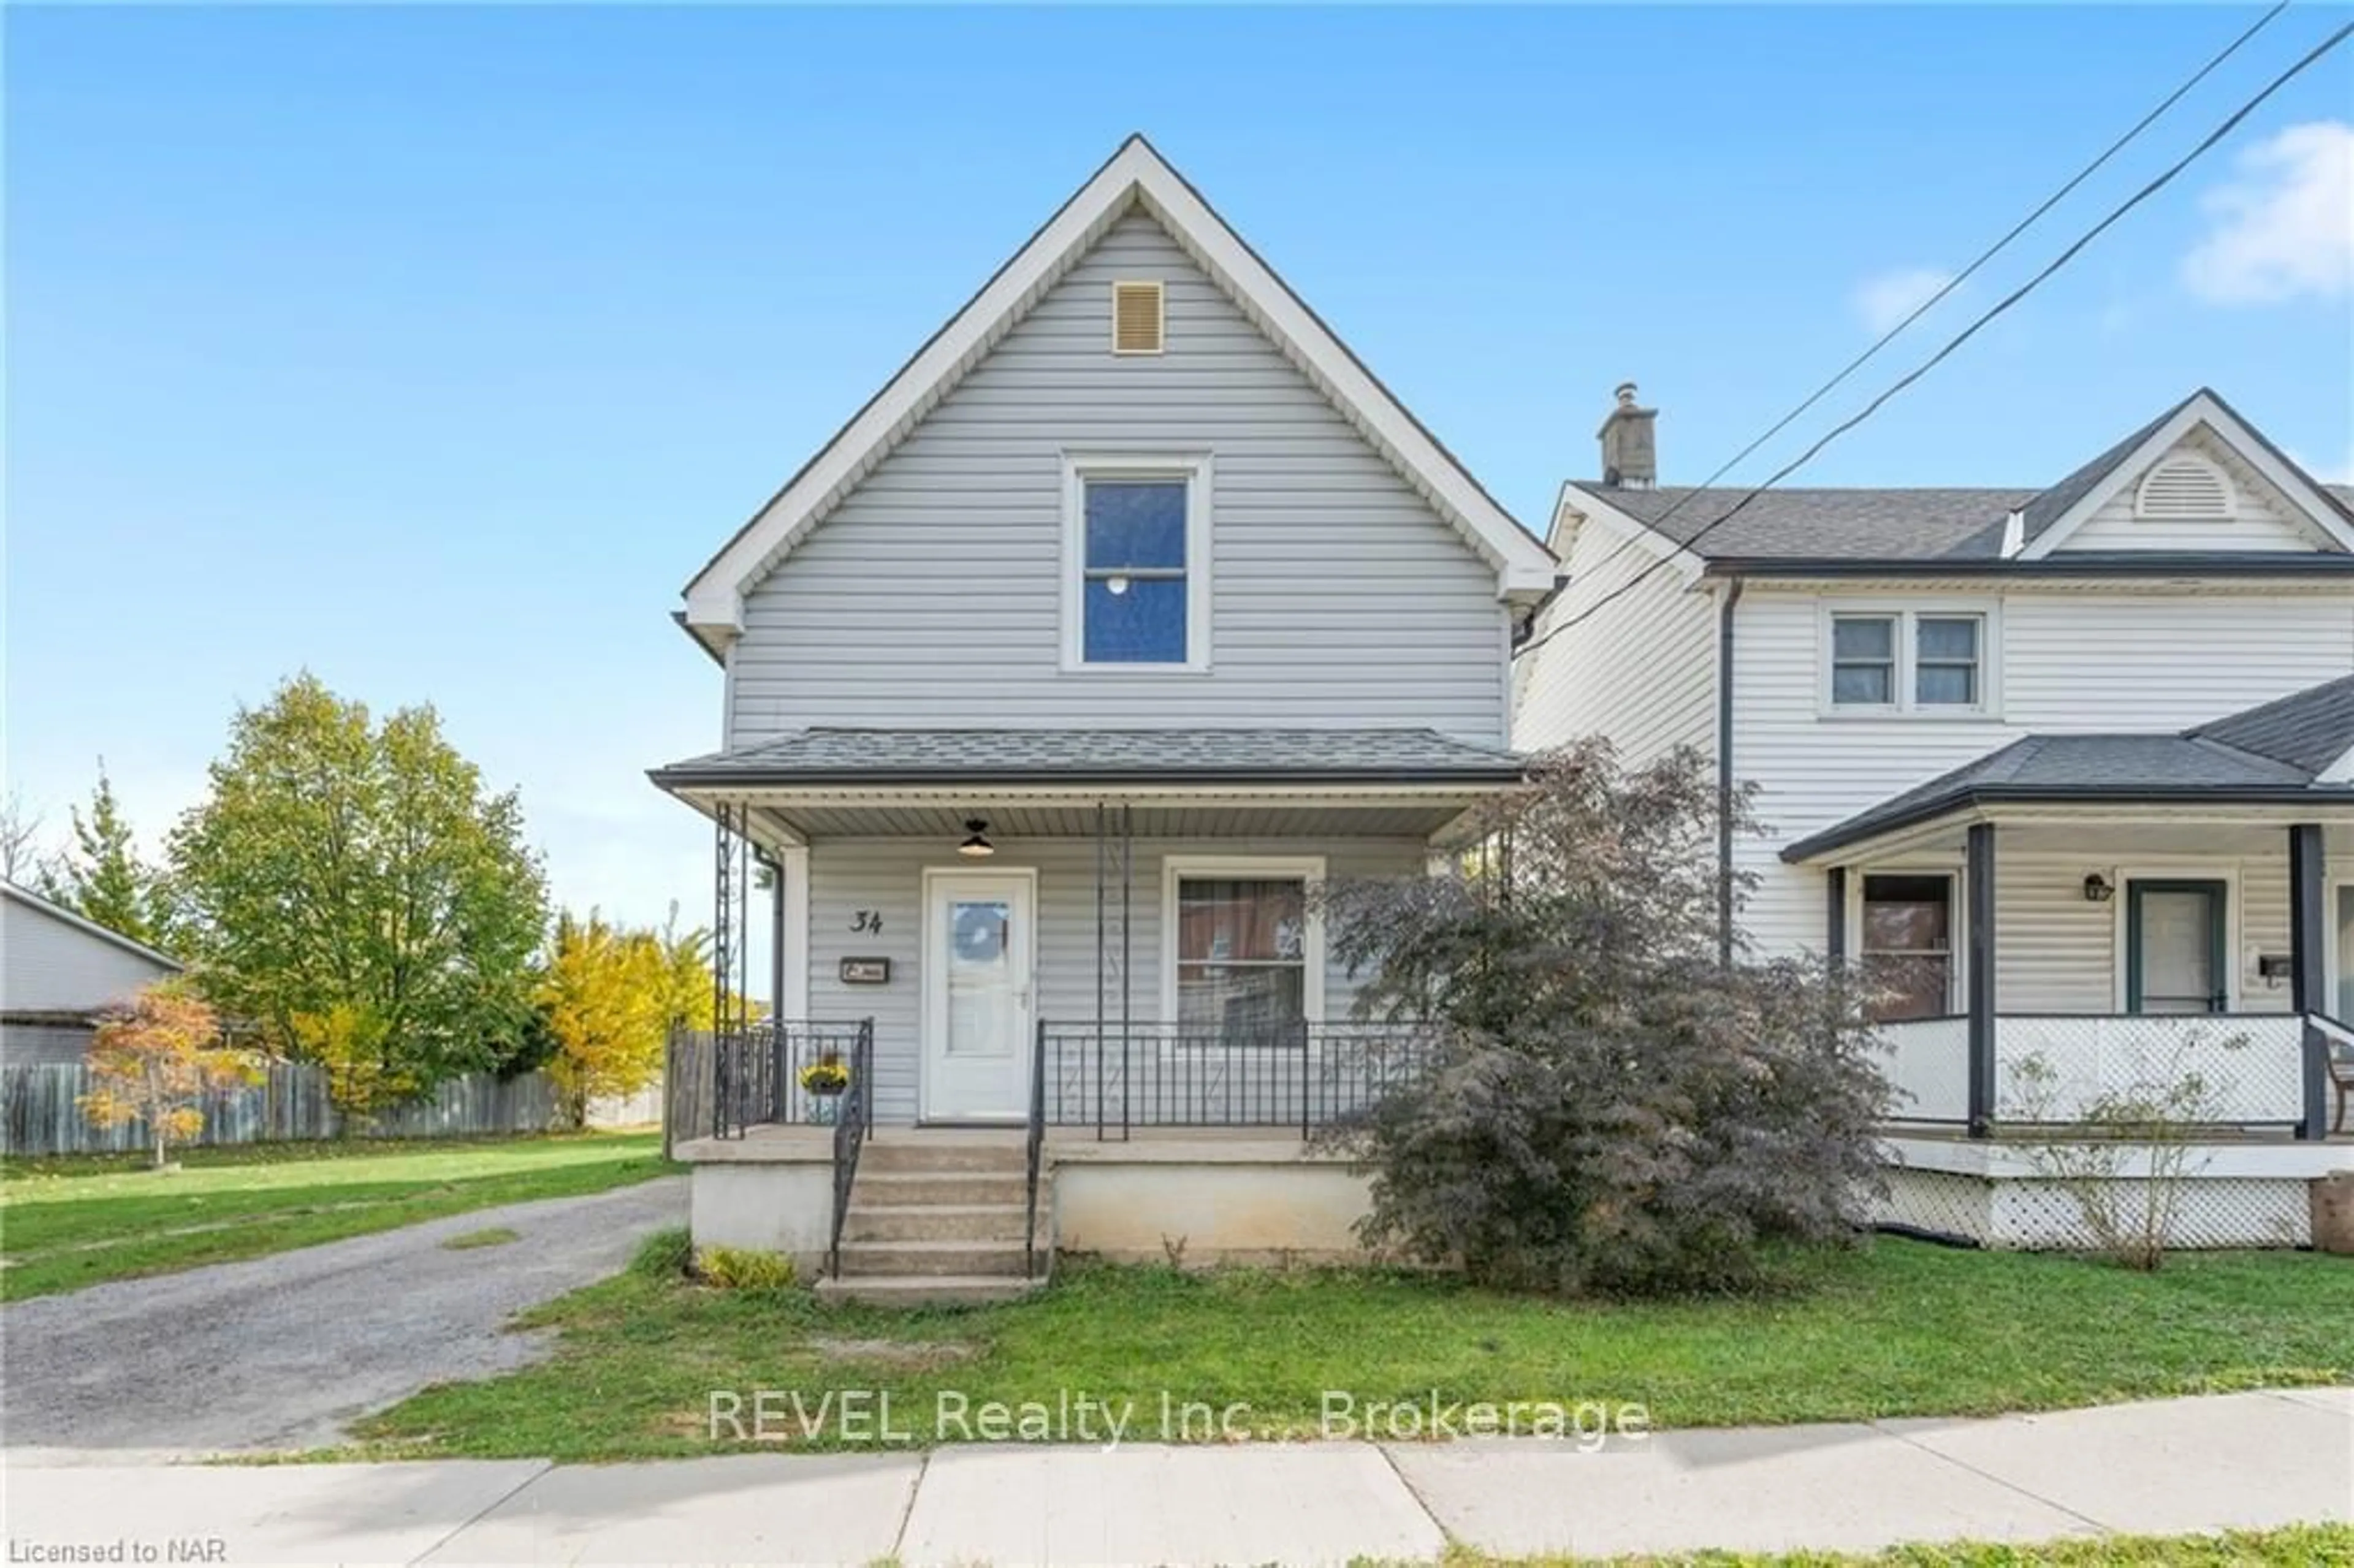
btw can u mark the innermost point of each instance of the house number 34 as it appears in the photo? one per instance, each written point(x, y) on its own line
point(865, 920)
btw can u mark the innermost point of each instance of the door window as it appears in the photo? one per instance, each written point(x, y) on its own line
point(2175, 963)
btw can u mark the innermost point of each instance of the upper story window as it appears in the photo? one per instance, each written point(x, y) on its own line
point(1136, 593)
point(1908, 661)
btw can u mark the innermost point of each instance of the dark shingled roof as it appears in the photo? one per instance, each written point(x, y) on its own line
point(1827, 525)
point(879, 757)
point(2267, 753)
point(2308, 729)
point(2053, 504)
point(1908, 527)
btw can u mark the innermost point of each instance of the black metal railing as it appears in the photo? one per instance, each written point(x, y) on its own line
point(756, 1073)
point(1116, 1078)
point(1037, 1150)
point(853, 1121)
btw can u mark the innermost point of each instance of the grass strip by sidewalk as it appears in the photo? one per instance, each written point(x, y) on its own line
point(66, 1224)
point(1900, 1328)
point(2296, 1546)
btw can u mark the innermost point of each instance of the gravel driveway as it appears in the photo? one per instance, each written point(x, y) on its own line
point(280, 1353)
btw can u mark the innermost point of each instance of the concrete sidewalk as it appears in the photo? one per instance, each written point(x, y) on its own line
point(2174, 1466)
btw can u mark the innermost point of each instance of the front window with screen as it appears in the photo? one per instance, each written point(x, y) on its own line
point(1242, 955)
point(1134, 579)
point(1908, 946)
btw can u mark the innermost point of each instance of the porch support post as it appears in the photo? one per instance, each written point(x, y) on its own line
point(1980, 877)
point(2306, 923)
point(1835, 916)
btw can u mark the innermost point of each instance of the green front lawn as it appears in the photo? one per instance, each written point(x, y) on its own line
point(1900, 1329)
point(2300, 1546)
point(73, 1222)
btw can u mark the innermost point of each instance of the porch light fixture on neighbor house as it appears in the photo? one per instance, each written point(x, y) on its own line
point(977, 845)
point(2097, 888)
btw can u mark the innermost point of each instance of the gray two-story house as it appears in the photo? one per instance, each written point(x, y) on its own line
point(1129, 610)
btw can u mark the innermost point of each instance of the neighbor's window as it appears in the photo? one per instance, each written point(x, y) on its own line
point(1945, 660)
point(1242, 955)
point(1908, 661)
point(1863, 661)
point(1138, 577)
point(1908, 944)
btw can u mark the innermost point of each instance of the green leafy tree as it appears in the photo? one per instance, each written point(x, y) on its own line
point(102, 878)
point(356, 895)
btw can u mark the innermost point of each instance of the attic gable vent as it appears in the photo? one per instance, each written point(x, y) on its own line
point(1136, 317)
point(2184, 487)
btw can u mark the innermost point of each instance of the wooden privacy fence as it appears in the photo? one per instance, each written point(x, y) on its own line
point(690, 1097)
point(40, 1113)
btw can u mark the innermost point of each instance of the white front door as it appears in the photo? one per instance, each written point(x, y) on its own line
point(978, 977)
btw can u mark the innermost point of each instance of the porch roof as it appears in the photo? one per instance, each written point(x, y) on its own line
point(2289, 752)
point(965, 758)
point(2088, 769)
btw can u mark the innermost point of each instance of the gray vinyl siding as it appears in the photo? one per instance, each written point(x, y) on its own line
point(886, 876)
point(931, 596)
point(43, 1044)
point(52, 966)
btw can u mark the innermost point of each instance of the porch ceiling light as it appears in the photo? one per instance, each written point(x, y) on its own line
point(977, 845)
point(2098, 889)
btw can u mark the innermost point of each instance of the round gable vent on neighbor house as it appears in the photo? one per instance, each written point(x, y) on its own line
point(2184, 486)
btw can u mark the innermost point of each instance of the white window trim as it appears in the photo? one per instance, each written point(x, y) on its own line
point(1958, 920)
point(1908, 614)
point(2122, 878)
point(1309, 869)
point(1194, 468)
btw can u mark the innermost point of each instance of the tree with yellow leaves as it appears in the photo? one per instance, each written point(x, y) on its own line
point(156, 1058)
point(606, 993)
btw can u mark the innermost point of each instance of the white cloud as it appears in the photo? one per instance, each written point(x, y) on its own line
point(2285, 224)
point(1884, 301)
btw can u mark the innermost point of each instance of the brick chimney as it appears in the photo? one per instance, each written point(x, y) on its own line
point(1629, 459)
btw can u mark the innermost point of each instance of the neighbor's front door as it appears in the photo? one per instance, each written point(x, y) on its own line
point(978, 974)
point(2174, 954)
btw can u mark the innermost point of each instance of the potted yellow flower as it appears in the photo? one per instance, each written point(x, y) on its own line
point(825, 1081)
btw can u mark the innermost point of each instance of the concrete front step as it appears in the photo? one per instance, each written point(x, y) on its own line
point(897, 1189)
point(993, 1155)
point(874, 1259)
point(981, 1222)
point(929, 1290)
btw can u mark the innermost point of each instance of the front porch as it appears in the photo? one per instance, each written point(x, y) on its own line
point(1055, 937)
point(2164, 980)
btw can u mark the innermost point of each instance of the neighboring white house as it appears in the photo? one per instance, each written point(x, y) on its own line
point(2077, 762)
point(1129, 608)
point(57, 970)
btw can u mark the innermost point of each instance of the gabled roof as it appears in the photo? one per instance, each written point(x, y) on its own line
point(877, 757)
point(2282, 751)
point(1135, 177)
point(58, 912)
point(2046, 522)
point(1955, 530)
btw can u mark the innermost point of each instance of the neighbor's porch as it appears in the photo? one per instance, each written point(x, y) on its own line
point(2043, 960)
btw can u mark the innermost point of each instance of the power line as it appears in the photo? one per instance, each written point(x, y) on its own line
point(2000, 307)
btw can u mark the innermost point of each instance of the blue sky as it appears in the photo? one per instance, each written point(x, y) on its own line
point(433, 348)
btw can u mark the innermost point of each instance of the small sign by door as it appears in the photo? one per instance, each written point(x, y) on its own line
point(865, 971)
